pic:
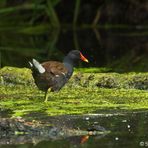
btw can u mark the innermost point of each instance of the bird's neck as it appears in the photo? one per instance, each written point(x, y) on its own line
point(68, 63)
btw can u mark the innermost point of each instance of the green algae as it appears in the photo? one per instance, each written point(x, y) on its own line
point(11, 75)
point(93, 70)
point(85, 93)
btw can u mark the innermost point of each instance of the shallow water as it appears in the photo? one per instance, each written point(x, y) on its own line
point(103, 47)
point(122, 130)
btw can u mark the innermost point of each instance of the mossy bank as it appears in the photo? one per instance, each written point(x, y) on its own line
point(87, 92)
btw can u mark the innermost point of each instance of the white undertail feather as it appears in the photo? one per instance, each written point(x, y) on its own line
point(38, 66)
point(31, 65)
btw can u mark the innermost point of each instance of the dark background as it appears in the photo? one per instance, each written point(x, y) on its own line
point(110, 33)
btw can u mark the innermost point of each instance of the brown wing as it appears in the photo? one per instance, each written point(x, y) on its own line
point(55, 67)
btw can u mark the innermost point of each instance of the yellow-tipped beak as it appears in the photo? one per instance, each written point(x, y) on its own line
point(83, 58)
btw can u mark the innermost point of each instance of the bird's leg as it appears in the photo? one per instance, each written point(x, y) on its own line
point(46, 95)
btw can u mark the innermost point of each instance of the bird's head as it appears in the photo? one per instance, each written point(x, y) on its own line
point(77, 55)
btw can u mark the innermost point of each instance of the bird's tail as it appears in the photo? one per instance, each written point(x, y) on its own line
point(35, 65)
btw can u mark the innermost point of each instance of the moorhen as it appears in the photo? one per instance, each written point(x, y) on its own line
point(54, 74)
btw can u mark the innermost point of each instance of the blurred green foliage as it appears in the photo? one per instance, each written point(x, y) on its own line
point(28, 12)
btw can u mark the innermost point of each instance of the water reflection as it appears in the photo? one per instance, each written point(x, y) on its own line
point(126, 130)
point(104, 48)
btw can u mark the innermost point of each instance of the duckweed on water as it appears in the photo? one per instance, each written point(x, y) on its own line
point(85, 93)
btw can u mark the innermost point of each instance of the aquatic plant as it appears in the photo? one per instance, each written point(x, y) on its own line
point(85, 93)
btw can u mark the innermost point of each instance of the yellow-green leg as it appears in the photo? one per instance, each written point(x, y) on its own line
point(46, 95)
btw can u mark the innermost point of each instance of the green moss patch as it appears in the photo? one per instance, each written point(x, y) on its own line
point(85, 93)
